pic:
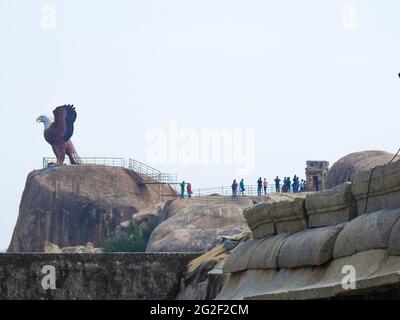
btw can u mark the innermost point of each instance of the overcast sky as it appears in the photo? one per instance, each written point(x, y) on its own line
point(302, 80)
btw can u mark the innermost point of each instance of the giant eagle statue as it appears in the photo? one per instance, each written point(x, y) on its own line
point(59, 132)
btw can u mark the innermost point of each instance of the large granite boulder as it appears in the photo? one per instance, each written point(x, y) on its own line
point(197, 225)
point(74, 205)
point(353, 163)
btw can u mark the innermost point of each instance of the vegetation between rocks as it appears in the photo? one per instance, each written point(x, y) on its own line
point(133, 240)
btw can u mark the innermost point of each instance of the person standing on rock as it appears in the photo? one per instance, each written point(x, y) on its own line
point(295, 183)
point(289, 182)
point(234, 188)
point(189, 189)
point(241, 185)
point(265, 184)
point(183, 189)
point(259, 186)
point(277, 184)
point(302, 189)
point(284, 187)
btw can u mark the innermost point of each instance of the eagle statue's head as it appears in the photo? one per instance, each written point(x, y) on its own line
point(45, 120)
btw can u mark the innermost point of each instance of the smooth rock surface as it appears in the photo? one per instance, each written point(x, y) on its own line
point(311, 247)
point(394, 240)
point(370, 231)
point(238, 259)
point(265, 255)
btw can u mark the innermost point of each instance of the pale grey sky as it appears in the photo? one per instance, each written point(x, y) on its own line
point(313, 81)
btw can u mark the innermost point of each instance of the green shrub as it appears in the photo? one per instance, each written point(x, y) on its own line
point(133, 240)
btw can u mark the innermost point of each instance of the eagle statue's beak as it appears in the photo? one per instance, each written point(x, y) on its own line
point(38, 119)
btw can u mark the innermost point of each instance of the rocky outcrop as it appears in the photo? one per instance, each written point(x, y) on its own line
point(74, 205)
point(198, 224)
point(338, 239)
point(343, 169)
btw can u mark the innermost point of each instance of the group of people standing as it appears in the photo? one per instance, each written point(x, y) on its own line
point(260, 185)
point(188, 189)
point(288, 185)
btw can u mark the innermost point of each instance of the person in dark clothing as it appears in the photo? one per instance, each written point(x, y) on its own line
point(288, 184)
point(302, 189)
point(234, 188)
point(259, 186)
point(295, 184)
point(277, 184)
point(183, 189)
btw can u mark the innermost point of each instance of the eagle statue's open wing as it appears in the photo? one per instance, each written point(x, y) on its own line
point(64, 118)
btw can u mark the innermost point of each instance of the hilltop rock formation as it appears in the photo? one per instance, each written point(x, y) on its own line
point(74, 205)
point(353, 163)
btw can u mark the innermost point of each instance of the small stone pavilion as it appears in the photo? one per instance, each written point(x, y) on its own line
point(316, 173)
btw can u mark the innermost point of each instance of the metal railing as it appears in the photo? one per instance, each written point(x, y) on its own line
point(144, 169)
point(250, 190)
point(96, 161)
point(167, 178)
point(151, 174)
point(226, 191)
point(148, 173)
